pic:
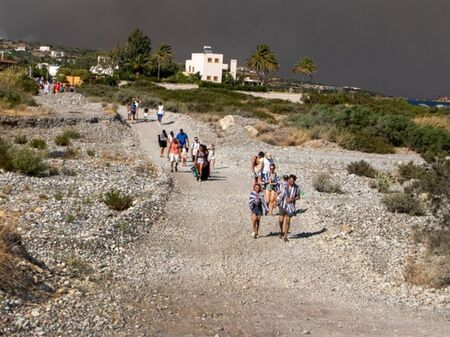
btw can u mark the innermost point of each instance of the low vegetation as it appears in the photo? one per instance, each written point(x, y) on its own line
point(62, 140)
point(21, 139)
point(21, 159)
point(402, 203)
point(362, 169)
point(117, 200)
point(71, 134)
point(16, 88)
point(38, 143)
point(323, 182)
point(382, 182)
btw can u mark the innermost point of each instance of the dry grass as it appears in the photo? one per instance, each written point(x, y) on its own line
point(115, 156)
point(110, 109)
point(12, 278)
point(432, 271)
point(205, 118)
point(23, 111)
point(285, 136)
point(435, 121)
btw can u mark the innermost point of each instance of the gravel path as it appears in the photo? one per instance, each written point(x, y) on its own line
point(199, 273)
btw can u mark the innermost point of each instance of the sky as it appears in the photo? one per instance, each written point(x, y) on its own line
point(395, 47)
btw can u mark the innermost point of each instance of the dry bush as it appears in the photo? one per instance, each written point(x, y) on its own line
point(432, 271)
point(286, 137)
point(205, 118)
point(12, 278)
point(323, 183)
point(403, 203)
point(361, 168)
point(115, 156)
point(434, 121)
point(263, 127)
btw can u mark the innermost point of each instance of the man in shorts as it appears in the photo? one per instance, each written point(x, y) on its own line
point(174, 154)
point(183, 139)
point(289, 196)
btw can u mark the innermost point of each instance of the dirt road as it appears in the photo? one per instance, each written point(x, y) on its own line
point(199, 273)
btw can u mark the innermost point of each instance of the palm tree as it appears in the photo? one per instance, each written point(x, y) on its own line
point(137, 64)
point(305, 67)
point(163, 55)
point(263, 61)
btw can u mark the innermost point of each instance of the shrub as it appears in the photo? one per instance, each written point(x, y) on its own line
point(71, 134)
point(362, 169)
point(70, 218)
point(68, 172)
point(20, 139)
point(117, 201)
point(382, 182)
point(430, 271)
point(27, 162)
point(62, 140)
point(402, 203)
point(411, 171)
point(431, 140)
point(38, 143)
point(5, 155)
point(91, 152)
point(323, 183)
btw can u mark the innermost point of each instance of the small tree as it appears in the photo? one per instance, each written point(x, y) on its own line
point(305, 67)
point(263, 61)
point(163, 55)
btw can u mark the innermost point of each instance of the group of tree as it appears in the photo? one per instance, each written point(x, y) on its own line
point(136, 56)
point(264, 61)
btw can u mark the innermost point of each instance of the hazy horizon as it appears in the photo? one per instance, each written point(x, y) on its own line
point(398, 48)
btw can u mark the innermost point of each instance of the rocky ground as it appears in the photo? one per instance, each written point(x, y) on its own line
point(196, 271)
point(64, 223)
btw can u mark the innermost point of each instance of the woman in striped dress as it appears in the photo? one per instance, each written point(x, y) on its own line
point(271, 182)
point(258, 207)
point(287, 209)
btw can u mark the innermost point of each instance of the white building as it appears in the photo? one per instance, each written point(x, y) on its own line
point(21, 48)
point(56, 54)
point(104, 66)
point(44, 48)
point(209, 65)
point(52, 69)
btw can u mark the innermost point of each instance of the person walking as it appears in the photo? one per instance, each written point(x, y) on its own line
point(160, 113)
point(145, 114)
point(183, 138)
point(201, 161)
point(290, 195)
point(174, 155)
point(271, 182)
point(195, 147)
point(258, 208)
point(162, 141)
point(212, 156)
point(257, 165)
point(170, 140)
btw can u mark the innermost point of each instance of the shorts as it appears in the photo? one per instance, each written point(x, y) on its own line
point(257, 210)
point(163, 143)
point(174, 157)
point(282, 212)
point(159, 117)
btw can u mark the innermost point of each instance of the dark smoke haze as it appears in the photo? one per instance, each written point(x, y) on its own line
point(398, 47)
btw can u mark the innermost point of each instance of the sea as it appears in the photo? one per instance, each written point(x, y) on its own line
point(427, 102)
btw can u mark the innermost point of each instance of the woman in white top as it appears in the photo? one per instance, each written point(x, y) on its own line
point(160, 113)
point(212, 156)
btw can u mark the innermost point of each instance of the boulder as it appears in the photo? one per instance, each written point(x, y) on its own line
point(227, 122)
point(251, 130)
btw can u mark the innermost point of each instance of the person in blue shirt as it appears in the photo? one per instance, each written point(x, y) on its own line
point(183, 139)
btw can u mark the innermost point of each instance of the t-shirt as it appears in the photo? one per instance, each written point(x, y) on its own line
point(182, 138)
point(174, 148)
point(195, 148)
point(160, 110)
point(266, 165)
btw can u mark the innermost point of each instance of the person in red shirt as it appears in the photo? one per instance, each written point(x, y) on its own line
point(174, 154)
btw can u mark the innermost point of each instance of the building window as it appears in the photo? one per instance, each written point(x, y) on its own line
point(209, 60)
point(190, 68)
point(208, 78)
point(216, 60)
point(216, 79)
